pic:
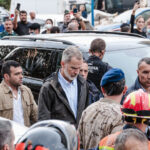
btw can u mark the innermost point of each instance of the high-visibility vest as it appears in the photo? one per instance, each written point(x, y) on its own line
point(108, 142)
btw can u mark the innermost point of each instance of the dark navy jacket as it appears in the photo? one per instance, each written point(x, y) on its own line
point(134, 87)
point(94, 93)
point(97, 68)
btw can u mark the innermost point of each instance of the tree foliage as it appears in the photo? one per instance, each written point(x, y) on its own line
point(5, 3)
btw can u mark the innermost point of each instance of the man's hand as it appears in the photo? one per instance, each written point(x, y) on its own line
point(15, 19)
point(16, 12)
point(77, 15)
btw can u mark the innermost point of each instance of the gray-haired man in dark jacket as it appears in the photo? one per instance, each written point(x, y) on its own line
point(65, 95)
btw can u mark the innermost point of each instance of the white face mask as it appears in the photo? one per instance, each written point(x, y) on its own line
point(48, 26)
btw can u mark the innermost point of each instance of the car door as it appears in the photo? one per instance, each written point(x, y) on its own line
point(37, 64)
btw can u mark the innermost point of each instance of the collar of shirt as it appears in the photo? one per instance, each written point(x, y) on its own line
point(64, 81)
point(6, 33)
point(111, 101)
point(143, 88)
point(94, 57)
point(139, 85)
point(19, 92)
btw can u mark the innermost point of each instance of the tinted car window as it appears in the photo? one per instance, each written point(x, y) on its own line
point(36, 63)
point(113, 6)
point(128, 61)
point(4, 50)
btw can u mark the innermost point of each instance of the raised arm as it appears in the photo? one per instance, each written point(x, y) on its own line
point(136, 6)
point(78, 16)
point(15, 19)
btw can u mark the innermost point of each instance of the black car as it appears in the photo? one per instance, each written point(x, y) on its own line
point(40, 55)
point(38, 58)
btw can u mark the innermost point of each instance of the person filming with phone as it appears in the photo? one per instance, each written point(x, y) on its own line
point(21, 27)
point(78, 18)
point(140, 22)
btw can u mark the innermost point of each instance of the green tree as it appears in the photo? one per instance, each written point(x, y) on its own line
point(5, 3)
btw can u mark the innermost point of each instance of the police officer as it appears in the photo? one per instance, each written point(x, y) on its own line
point(97, 67)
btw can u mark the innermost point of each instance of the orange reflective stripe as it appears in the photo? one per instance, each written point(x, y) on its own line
point(41, 148)
point(133, 99)
point(109, 141)
point(20, 146)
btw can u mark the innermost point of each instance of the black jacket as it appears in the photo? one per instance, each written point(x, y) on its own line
point(53, 103)
point(97, 68)
point(135, 30)
point(94, 93)
point(134, 87)
point(22, 28)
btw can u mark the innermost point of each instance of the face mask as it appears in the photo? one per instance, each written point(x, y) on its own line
point(148, 30)
point(48, 26)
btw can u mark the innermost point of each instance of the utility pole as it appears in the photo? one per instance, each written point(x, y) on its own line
point(92, 12)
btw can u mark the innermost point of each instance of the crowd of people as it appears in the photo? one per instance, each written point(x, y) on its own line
point(84, 105)
point(142, 25)
point(74, 20)
point(89, 110)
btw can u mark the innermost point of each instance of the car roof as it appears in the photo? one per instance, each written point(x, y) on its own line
point(23, 41)
point(114, 40)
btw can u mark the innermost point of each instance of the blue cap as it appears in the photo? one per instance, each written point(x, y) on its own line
point(112, 75)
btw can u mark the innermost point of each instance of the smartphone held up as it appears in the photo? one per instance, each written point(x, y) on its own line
point(18, 6)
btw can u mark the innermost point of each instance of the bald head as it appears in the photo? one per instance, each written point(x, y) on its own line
point(32, 15)
point(72, 26)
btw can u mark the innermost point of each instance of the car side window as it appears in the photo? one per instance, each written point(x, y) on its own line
point(37, 63)
point(4, 50)
point(146, 15)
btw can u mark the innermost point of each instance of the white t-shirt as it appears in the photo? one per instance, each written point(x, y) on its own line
point(17, 109)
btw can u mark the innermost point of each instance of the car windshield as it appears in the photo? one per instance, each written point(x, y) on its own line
point(127, 60)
